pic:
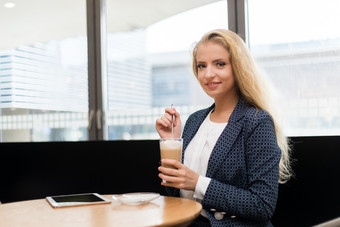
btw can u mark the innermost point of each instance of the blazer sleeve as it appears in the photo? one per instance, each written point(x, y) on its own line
point(255, 201)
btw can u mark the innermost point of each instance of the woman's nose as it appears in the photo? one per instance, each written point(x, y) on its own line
point(209, 72)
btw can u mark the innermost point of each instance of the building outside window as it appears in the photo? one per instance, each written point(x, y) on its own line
point(43, 71)
point(44, 78)
point(298, 48)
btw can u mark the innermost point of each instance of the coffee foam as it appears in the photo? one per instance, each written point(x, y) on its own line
point(170, 144)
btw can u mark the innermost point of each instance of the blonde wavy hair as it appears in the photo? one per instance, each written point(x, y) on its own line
point(251, 84)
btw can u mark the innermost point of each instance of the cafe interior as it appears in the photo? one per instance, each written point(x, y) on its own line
point(83, 81)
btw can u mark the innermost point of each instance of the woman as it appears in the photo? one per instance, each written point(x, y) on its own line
point(234, 151)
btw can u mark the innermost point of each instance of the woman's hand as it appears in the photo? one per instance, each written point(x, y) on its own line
point(182, 177)
point(163, 124)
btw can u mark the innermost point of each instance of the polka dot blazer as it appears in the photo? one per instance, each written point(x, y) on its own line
point(243, 166)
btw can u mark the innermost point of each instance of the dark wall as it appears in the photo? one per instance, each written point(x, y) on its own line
point(313, 195)
point(37, 170)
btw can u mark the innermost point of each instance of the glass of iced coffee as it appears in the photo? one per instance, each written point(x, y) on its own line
point(171, 148)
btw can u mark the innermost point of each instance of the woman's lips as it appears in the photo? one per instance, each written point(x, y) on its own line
point(212, 84)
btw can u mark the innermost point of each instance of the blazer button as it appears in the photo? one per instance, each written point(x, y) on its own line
point(219, 215)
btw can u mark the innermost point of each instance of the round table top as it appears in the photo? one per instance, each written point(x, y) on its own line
point(162, 211)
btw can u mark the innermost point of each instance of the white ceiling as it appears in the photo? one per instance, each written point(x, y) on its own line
point(33, 21)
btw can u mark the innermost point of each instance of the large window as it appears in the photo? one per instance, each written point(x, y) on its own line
point(43, 71)
point(149, 64)
point(57, 62)
point(49, 68)
point(297, 44)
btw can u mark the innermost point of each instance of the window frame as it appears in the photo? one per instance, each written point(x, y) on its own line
point(96, 32)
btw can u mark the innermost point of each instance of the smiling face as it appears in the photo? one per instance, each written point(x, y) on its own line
point(214, 71)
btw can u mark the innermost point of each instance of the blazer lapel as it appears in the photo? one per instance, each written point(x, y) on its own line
point(227, 139)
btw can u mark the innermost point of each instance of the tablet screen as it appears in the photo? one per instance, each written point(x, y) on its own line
point(77, 199)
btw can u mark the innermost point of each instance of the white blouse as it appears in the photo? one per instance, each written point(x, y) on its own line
point(197, 155)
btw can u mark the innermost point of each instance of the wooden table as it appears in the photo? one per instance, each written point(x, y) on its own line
point(163, 211)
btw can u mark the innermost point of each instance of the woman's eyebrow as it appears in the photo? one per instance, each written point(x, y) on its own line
point(219, 59)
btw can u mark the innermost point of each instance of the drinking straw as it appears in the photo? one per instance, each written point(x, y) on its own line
point(172, 123)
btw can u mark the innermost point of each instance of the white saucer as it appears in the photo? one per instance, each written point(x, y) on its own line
point(136, 198)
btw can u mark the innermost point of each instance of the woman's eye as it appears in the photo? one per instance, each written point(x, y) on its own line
point(221, 64)
point(200, 66)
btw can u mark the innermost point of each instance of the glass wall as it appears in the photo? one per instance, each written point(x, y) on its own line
point(43, 71)
point(297, 44)
point(44, 64)
point(149, 64)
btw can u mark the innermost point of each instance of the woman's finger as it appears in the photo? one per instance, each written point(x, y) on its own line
point(171, 181)
point(165, 121)
point(167, 117)
point(170, 111)
point(181, 177)
point(162, 122)
point(168, 171)
point(173, 115)
point(168, 178)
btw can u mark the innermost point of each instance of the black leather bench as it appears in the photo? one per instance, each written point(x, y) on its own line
point(36, 170)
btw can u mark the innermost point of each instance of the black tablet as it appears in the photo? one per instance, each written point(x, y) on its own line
point(77, 200)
